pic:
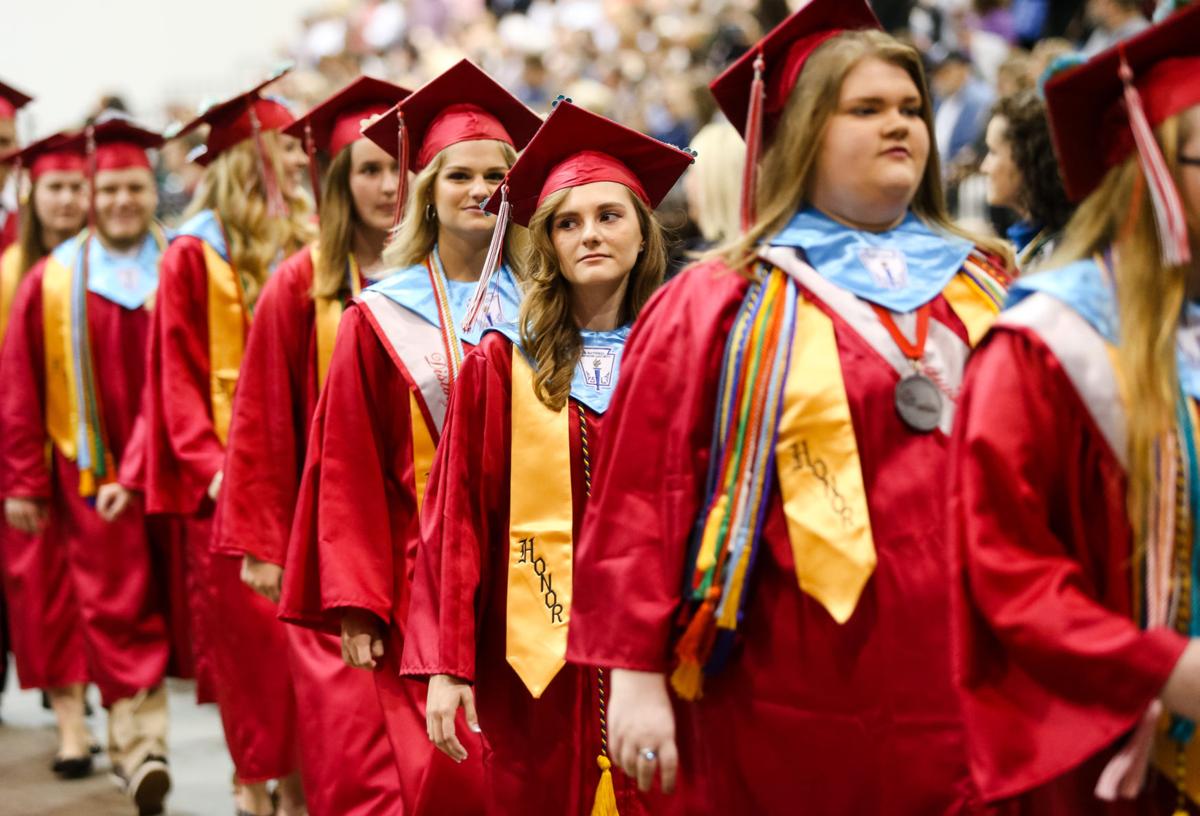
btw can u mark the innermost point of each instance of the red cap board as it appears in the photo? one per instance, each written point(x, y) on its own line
point(337, 122)
point(11, 100)
point(576, 147)
point(57, 152)
point(460, 105)
point(784, 50)
point(120, 144)
point(232, 121)
point(1089, 116)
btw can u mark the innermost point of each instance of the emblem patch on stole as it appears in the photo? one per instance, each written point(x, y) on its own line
point(128, 276)
point(597, 364)
point(493, 310)
point(887, 266)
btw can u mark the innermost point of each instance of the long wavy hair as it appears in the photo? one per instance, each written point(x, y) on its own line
point(1027, 131)
point(549, 333)
point(788, 166)
point(336, 230)
point(1151, 296)
point(232, 186)
point(415, 236)
point(31, 245)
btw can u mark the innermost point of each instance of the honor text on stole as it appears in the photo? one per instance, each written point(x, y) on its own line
point(802, 459)
point(441, 369)
point(544, 576)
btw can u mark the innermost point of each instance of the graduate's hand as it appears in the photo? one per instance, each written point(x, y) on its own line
point(263, 577)
point(26, 515)
point(112, 500)
point(362, 639)
point(1181, 694)
point(640, 719)
point(446, 693)
point(214, 487)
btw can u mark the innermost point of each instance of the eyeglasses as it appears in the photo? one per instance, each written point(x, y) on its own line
point(1194, 161)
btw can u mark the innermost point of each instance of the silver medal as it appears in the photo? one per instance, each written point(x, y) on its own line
point(919, 402)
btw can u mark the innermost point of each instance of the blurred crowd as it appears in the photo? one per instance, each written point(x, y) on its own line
point(647, 64)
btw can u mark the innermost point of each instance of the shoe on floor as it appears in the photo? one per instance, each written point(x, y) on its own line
point(149, 785)
point(73, 767)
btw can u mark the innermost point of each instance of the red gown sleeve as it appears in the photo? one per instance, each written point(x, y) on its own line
point(269, 425)
point(356, 510)
point(1052, 666)
point(649, 474)
point(132, 472)
point(464, 497)
point(184, 453)
point(24, 466)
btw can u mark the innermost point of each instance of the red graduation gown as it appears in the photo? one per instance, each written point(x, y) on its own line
point(1053, 670)
point(540, 754)
point(235, 630)
point(853, 718)
point(353, 542)
point(345, 758)
point(108, 564)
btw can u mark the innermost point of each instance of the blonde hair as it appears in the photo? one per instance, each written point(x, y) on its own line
point(787, 168)
point(336, 230)
point(414, 238)
point(549, 333)
point(233, 187)
point(717, 174)
point(1119, 215)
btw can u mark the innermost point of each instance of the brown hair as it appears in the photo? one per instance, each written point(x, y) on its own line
point(548, 330)
point(1151, 295)
point(1027, 132)
point(787, 168)
point(233, 187)
point(30, 246)
point(336, 229)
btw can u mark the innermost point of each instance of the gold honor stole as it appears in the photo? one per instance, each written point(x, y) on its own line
point(816, 452)
point(540, 522)
point(417, 346)
point(1091, 365)
point(228, 323)
point(10, 278)
point(328, 312)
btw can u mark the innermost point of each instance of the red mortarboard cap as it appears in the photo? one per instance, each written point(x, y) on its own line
point(337, 122)
point(462, 104)
point(1086, 105)
point(121, 144)
point(59, 151)
point(784, 50)
point(230, 122)
point(576, 146)
point(11, 100)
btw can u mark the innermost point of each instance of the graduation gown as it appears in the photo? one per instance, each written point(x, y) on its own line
point(356, 527)
point(41, 613)
point(1053, 670)
point(108, 563)
point(345, 758)
point(540, 754)
point(235, 634)
point(852, 718)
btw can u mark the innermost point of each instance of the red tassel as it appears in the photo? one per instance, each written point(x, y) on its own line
point(753, 134)
point(313, 175)
point(89, 147)
point(402, 180)
point(1168, 208)
point(491, 263)
point(276, 206)
point(22, 203)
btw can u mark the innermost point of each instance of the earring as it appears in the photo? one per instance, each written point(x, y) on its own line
point(430, 212)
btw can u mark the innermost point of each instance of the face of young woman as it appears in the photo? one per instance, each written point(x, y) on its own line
point(60, 200)
point(875, 147)
point(294, 161)
point(470, 173)
point(1189, 171)
point(373, 178)
point(1004, 179)
point(125, 202)
point(596, 234)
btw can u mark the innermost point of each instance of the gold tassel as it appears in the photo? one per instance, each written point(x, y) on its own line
point(688, 680)
point(606, 794)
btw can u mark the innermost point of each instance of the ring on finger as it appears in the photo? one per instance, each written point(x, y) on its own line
point(648, 754)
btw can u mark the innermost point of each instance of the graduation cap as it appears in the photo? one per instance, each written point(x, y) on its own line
point(461, 104)
point(337, 122)
point(753, 91)
point(62, 151)
point(11, 101)
point(117, 143)
point(1104, 110)
point(242, 117)
point(572, 148)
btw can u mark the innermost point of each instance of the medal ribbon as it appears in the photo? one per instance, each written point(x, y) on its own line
point(912, 350)
point(540, 532)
